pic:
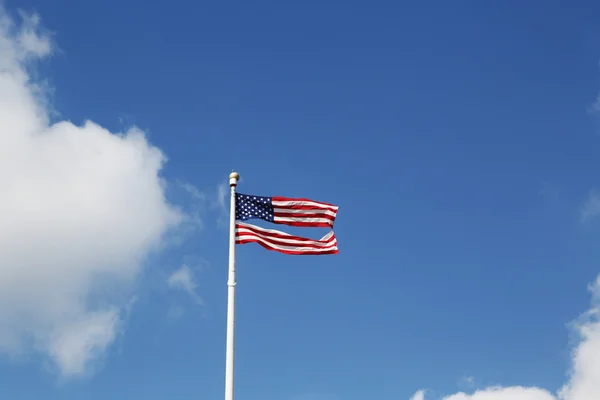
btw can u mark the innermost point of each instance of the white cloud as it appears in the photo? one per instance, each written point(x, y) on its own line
point(420, 395)
point(509, 393)
point(584, 379)
point(183, 279)
point(81, 209)
point(81, 340)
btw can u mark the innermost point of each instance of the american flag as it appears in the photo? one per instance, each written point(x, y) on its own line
point(285, 210)
point(284, 242)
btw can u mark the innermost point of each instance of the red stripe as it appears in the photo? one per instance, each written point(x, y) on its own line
point(281, 243)
point(305, 207)
point(290, 252)
point(304, 224)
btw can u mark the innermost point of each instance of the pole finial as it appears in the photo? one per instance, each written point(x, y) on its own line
point(234, 177)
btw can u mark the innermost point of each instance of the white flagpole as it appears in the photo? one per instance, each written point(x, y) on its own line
point(229, 356)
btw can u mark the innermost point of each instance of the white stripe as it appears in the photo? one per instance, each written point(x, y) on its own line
point(258, 228)
point(298, 219)
point(294, 211)
point(288, 203)
point(332, 245)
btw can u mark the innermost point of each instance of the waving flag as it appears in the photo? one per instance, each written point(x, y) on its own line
point(284, 242)
point(285, 210)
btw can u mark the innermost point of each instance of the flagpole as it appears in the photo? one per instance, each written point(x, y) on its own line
point(229, 355)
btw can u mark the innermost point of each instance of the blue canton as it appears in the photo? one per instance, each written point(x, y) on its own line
point(248, 207)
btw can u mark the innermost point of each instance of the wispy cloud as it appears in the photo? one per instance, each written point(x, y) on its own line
point(183, 279)
point(222, 192)
point(468, 381)
point(175, 312)
point(595, 108)
point(209, 201)
point(193, 191)
point(591, 207)
point(549, 191)
point(221, 204)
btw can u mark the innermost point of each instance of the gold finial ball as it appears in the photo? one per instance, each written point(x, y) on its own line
point(234, 175)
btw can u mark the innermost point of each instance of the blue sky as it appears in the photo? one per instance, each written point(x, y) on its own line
point(459, 139)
